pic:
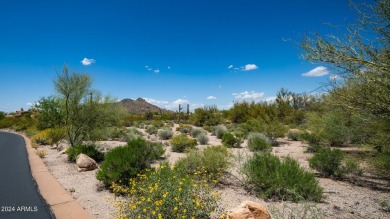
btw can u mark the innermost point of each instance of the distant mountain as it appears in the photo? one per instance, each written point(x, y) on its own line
point(140, 106)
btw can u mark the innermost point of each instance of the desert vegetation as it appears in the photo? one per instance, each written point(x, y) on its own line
point(344, 132)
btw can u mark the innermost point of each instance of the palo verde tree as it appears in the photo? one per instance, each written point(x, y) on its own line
point(49, 111)
point(361, 60)
point(86, 111)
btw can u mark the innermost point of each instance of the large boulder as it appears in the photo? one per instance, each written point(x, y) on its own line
point(249, 210)
point(85, 163)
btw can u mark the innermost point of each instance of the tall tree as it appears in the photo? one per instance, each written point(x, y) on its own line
point(361, 58)
point(49, 111)
point(86, 111)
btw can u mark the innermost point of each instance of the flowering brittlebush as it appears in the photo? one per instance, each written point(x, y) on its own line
point(165, 193)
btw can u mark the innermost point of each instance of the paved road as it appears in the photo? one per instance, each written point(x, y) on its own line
point(19, 197)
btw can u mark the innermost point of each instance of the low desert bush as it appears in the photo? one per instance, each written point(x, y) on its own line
point(294, 134)
point(41, 138)
point(230, 141)
point(89, 150)
point(328, 162)
point(165, 134)
point(165, 193)
point(197, 131)
point(219, 131)
point(151, 130)
point(380, 164)
point(271, 177)
point(55, 135)
point(202, 138)
point(123, 163)
point(184, 129)
point(209, 163)
point(181, 142)
point(258, 142)
point(41, 153)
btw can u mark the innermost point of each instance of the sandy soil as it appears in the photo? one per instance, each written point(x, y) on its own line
point(343, 199)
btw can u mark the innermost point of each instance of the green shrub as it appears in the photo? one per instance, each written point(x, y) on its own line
point(151, 130)
point(274, 129)
point(55, 135)
point(165, 133)
point(202, 138)
point(258, 142)
point(123, 163)
point(219, 131)
point(165, 193)
point(381, 164)
point(328, 162)
point(41, 138)
point(313, 140)
point(181, 142)
point(230, 141)
point(209, 163)
point(294, 134)
point(271, 177)
point(132, 134)
point(196, 131)
point(88, 150)
point(184, 129)
point(334, 131)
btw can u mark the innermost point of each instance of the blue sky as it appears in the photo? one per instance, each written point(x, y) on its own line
point(169, 52)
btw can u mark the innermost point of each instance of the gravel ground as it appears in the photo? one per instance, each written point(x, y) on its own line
point(343, 199)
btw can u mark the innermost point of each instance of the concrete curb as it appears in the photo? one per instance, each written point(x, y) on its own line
point(61, 202)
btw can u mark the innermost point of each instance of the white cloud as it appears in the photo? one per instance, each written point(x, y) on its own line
point(211, 97)
point(230, 66)
point(181, 101)
point(174, 105)
point(317, 72)
point(155, 102)
point(146, 66)
point(29, 104)
point(149, 69)
point(87, 62)
point(270, 99)
point(156, 71)
point(333, 77)
point(246, 95)
point(169, 67)
point(226, 106)
point(250, 67)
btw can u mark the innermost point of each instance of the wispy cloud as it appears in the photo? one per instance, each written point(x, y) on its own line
point(169, 67)
point(249, 95)
point(250, 67)
point(156, 71)
point(155, 102)
point(180, 101)
point(247, 67)
point(173, 105)
point(29, 104)
point(316, 72)
point(87, 61)
point(211, 97)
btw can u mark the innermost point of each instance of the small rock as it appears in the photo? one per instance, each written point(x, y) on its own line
point(85, 163)
point(63, 151)
point(249, 210)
